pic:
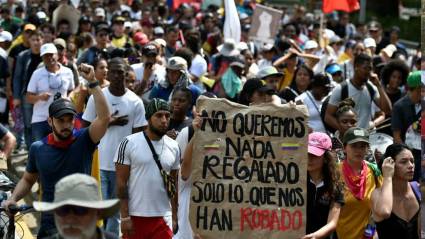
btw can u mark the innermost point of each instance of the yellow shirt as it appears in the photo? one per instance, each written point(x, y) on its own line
point(355, 214)
point(119, 42)
point(287, 80)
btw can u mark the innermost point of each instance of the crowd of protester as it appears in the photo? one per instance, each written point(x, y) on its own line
point(112, 95)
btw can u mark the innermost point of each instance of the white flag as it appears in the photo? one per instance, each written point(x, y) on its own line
point(232, 24)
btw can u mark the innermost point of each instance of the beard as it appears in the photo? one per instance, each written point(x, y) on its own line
point(157, 131)
point(86, 231)
point(60, 135)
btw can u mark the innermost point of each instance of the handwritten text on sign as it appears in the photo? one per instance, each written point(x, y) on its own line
point(249, 171)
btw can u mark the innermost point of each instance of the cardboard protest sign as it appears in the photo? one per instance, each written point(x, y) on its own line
point(249, 171)
point(265, 24)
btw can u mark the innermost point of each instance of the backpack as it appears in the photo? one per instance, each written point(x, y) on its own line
point(344, 95)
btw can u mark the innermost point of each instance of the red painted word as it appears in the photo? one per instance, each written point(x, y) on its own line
point(282, 220)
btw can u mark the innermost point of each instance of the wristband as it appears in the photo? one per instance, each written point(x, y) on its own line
point(124, 219)
point(93, 84)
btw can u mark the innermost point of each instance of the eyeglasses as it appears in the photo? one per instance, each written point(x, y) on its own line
point(55, 81)
point(76, 210)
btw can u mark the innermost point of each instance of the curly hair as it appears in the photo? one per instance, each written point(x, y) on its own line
point(331, 174)
point(394, 65)
point(346, 105)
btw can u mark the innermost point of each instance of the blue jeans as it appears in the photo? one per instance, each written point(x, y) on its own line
point(27, 116)
point(40, 130)
point(107, 182)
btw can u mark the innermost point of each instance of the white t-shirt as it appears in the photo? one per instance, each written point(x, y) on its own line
point(185, 188)
point(314, 106)
point(363, 101)
point(158, 75)
point(128, 104)
point(44, 81)
point(147, 194)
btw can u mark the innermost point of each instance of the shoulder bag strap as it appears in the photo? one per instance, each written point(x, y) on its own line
point(154, 154)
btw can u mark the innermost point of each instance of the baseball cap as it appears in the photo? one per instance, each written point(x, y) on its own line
point(140, 38)
point(29, 27)
point(99, 12)
point(335, 39)
point(60, 42)
point(356, 134)
point(414, 79)
point(311, 44)
point(79, 190)
point(158, 31)
point(369, 42)
point(374, 26)
point(102, 27)
point(5, 36)
point(160, 42)
point(389, 50)
point(268, 47)
point(177, 63)
point(118, 19)
point(319, 143)
point(333, 68)
point(61, 107)
point(268, 71)
point(84, 19)
point(48, 48)
point(149, 50)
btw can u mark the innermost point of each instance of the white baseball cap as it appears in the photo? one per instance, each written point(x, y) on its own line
point(99, 12)
point(5, 36)
point(48, 48)
point(369, 42)
point(311, 44)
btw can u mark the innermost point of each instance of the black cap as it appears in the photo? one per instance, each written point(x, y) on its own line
point(149, 50)
point(102, 27)
point(61, 107)
point(84, 19)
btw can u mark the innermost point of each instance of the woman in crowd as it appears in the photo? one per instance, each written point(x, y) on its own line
point(396, 205)
point(81, 94)
point(301, 82)
point(360, 178)
point(324, 188)
point(394, 76)
point(346, 117)
point(255, 91)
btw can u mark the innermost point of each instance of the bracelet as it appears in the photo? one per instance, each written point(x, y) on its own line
point(93, 84)
point(124, 219)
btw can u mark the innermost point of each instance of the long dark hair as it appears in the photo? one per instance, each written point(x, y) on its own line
point(392, 151)
point(309, 72)
point(331, 175)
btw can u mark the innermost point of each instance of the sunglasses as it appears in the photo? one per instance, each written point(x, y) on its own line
point(76, 210)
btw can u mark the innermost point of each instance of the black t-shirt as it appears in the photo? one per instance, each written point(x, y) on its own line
point(289, 94)
point(318, 204)
point(35, 61)
point(4, 72)
point(179, 125)
point(14, 52)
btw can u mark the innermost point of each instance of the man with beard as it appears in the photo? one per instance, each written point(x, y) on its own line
point(146, 209)
point(64, 151)
point(77, 207)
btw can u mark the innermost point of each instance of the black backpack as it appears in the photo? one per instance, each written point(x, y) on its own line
point(344, 95)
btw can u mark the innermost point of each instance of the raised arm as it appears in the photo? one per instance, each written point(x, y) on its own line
point(99, 126)
point(384, 101)
point(382, 198)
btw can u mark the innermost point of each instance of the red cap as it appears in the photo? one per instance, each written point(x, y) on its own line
point(140, 38)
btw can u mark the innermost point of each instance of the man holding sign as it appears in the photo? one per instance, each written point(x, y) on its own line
point(249, 171)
